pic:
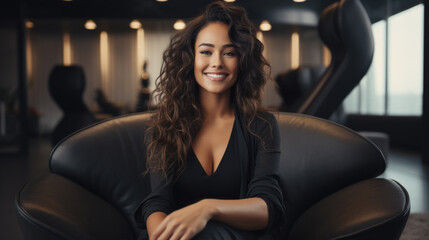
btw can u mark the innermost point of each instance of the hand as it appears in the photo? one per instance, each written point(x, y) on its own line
point(184, 223)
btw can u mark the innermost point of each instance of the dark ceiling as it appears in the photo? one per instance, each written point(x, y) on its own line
point(276, 11)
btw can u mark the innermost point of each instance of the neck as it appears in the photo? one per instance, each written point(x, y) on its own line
point(216, 105)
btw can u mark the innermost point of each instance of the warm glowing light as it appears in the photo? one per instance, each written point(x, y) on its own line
point(90, 25)
point(294, 50)
point(229, 0)
point(299, 1)
point(161, 0)
point(29, 57)
point(67, 55)
point(179, 24)
point(265, 26)
point(326, 56)
point(135, 24)
point(140, 49)
point(260, 36)
point(104, 61)
point(29, 24)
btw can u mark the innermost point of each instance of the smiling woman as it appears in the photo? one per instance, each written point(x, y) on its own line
point(216, 63)
point(212, 151)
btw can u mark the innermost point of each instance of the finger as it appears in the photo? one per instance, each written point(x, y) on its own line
point(178, 232)
point(187, 235)
point(166, 234)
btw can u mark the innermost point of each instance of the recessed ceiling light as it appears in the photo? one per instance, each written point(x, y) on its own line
point(29, 24)
point(135, 24)
point(90, 25)
point(161, 0)
point(179, 24)
point(265, 26)
point(299, 1)
point(229, 0)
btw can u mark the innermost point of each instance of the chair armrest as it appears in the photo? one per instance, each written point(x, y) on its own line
point(54, 207)
point(371, 209)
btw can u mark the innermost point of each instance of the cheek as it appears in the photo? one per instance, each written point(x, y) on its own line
point(198, 65)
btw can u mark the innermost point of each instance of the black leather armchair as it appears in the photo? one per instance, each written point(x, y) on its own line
point(327, 175)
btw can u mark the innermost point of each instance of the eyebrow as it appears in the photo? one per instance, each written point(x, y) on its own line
point(212, 45)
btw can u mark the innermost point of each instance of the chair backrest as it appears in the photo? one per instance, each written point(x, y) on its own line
point(66, 86)
point(296, 84)
point(318, 158)
point(345, 28)
point(108, 159)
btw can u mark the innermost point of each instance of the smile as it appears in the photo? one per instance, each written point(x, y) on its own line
point(216, 76)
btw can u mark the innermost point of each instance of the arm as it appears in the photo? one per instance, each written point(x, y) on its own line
point(246, 214)
point(185, 223)
point(153, 221)
point(155, 207)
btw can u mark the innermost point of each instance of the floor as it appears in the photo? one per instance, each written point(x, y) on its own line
point(403, 166)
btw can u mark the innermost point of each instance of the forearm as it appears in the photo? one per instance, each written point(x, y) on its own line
point(245, 214)
point(153, 222)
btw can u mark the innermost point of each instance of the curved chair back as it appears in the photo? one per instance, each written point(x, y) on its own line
point(66, 86)
point(345, 28)
point(318, 158)
point(109, 160)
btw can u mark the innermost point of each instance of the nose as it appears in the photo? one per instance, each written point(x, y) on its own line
point(216, 61)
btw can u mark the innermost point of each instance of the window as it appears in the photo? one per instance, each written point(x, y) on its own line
point(400, 92)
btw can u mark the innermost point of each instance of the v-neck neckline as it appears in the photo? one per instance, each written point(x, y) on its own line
point(223, 156)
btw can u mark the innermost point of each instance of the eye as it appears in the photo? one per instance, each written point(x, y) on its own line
point(230, 54)
point(205, 52)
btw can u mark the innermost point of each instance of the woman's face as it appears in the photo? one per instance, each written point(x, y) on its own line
point(216, 60)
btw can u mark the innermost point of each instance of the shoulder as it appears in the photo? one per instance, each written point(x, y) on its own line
point(264, 120)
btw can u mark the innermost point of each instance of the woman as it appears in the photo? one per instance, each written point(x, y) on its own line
point(213, 153)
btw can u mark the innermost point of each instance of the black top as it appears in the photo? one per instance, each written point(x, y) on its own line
point(194, 184)
point(258, 165)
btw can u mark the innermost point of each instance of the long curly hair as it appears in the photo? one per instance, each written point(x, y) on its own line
point(178, 118)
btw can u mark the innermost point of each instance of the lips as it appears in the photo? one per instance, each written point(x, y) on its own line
point(216, 76)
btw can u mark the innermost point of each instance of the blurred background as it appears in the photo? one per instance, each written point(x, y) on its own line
point(112, 40)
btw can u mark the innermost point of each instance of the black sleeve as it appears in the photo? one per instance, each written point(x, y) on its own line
point(264, 180)
point(159, 200)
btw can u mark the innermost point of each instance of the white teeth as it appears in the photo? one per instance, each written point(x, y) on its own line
point(216, 75)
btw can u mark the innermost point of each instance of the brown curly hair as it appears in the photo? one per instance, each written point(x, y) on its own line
point(178, 118)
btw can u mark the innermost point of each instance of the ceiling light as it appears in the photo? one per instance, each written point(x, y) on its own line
point(135, 24)
point(161, 0)
point(265, 26)
point(299, 1)
point(229, 0)
point(90, 25)
point(29, 24)
point(67, 0)
point(179, 24)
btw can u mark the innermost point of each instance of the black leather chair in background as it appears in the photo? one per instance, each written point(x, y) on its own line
point(327, 174)
point(295, 85)
point(66, 86)
point(345, 29)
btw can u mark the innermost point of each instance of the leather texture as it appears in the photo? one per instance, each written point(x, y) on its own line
point(54, 207)
point(96, 177)
point(346, 30)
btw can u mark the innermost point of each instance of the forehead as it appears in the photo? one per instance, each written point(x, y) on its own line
point(214, 33)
